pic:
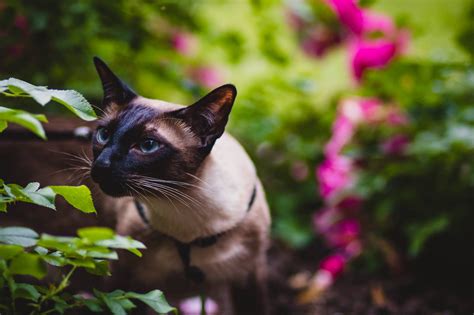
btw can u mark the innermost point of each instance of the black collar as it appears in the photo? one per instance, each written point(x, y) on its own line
point(193, 273)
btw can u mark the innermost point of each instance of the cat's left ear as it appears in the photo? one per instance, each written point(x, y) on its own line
point(115, 90)
point(208, 116)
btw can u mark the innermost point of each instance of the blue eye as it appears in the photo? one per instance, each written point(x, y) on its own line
point(102, 135)
point(149, 146)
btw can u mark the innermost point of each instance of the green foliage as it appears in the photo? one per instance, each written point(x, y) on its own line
point(119, 302)
point(427, 192)
point(25, 253)
point(12, 87)
point(23, 118)
point(79, 196)
point(18, 236)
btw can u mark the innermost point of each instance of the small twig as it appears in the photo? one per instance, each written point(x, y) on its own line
point(62, 285)
point(203, 304)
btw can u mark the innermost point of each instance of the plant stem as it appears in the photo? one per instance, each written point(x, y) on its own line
point(62, 285)
point(203, 304)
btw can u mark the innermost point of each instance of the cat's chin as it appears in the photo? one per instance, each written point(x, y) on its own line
point(114, 191)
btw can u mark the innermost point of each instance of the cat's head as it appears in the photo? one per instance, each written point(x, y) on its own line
point(141, 143)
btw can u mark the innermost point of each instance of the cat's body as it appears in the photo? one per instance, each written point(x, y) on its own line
point(195, 191)
point(225, 196)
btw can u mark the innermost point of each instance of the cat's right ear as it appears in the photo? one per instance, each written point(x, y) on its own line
point(115, 90)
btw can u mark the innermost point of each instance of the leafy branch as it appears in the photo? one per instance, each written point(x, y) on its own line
point(72, 100)
point(24, 252)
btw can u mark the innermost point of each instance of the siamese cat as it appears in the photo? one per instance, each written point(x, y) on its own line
point(195, 196)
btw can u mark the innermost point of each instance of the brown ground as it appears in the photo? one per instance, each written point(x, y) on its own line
point(357, 294)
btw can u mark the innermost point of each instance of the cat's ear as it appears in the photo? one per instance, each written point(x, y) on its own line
point(115, 90)
point(208, 116)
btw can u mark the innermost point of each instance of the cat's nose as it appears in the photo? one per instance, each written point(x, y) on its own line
point(101, 171)
point(102, 166)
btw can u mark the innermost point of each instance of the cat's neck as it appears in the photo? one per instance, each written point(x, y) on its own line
point(216, 201)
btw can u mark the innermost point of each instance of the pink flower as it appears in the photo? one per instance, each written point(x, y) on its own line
point(367, 55)
point(343, 233)
point(325, 218)
point(367, 52)
point(395, 145)
point(361, 110)
point(342, 132)
point(206, 76)
point(395, 117)
point(375, 22)
point(352, 112)
point(349, 14)
point(334, 175)
point(334, 264)
point(192, 306)
point(370, 108)
point(183, 43)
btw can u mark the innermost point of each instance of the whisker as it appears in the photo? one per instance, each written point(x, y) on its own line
point(163, 193)
point(168, 191)
point(172, 182)
point(198, 179)
point(174, 191)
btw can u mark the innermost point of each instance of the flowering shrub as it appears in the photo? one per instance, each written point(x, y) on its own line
point(384, 149)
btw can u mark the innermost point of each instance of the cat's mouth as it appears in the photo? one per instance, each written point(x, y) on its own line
point(109, 183)
point(113, 189)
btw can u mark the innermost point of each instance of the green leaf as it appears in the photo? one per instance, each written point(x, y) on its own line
point(28, 264)
point(77, 196)
point(421, 233)
point(93, 304)
point(20, 87)
point(154, 299)
point(112, 304)
point(101, 269)
point(82, 262)
point(72, 100)
point(25, 119)
point(123, 242)
point(60, 305)
point(43, 197)
point(41, 250)
point(18, 236)
point(54, 259)
point(9, 251)
point(75, 102)
point(102, 254)
point(96, 233)
point(3, 125)
point(32, 187)
point(3, 206)
point(60, 243)
point(26, 291)
point(126, 304)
